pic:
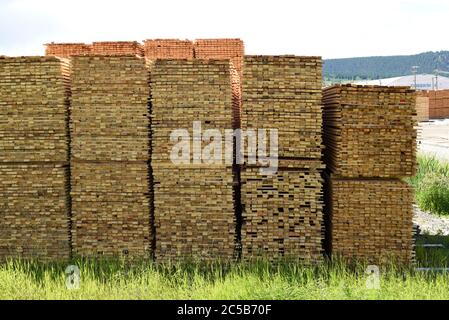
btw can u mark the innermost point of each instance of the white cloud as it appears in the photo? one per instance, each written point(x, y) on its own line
point(331, 29)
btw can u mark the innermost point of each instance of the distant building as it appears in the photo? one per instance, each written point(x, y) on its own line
point(423, 82)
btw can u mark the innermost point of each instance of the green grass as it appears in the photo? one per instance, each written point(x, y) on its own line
point(262, 280)
point(431, 185)
point(118, 279)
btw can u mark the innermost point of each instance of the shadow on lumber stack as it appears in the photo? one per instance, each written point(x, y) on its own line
point(370, 144)
point(34, 152)
point(110, 156)
point(193, 200)
point(282, 212)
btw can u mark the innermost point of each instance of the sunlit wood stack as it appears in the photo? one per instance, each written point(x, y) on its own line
point(370, 219)
point(282, 213)
point(117, 48)
point(67, 49)
point(438, 103)
point(168, 49)
point(34, 150)
point(370, 138)
point(422, 108)
point(110, 153)
point(284, 93)
point(193, 203)
point(370, 131)
point(232, 49)
point(96, 48)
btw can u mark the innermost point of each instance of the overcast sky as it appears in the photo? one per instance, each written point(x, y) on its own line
point(332, 29)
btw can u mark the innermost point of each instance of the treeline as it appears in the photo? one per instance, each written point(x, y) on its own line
point(385, 67)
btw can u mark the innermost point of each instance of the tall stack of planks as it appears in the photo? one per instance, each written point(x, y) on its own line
point(234, 50)
point(370, 140)
point(282, 212)
point(110, 156)
point(34, 151)
point(422, 107)
point(193, 198)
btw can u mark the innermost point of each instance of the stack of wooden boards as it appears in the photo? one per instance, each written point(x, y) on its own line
point(34, 144)
point(193, 203)
point(370, 140)
point(96, 48)
point(282, 213)
point(67, 49)
point(232, 49)
point(438, 103)
point(110, 156)
point(422, 107)
point(168, 49)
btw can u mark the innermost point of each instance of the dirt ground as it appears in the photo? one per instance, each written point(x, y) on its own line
point(434, 138)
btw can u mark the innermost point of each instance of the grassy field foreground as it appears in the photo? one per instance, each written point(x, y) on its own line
point(263, 280)
point(114, 280)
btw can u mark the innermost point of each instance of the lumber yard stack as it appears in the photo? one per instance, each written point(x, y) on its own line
point(34, 152)
point(117, 48)
point(193, 199)
point(232, 49)
point(282, 214)
point(370, 140)
point(168, 49)
point(438, 103)
point(96, 48)
point(67, 49)
point(422, 107)
point(110, 178)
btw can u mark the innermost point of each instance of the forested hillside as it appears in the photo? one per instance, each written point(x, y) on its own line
point(385, 67)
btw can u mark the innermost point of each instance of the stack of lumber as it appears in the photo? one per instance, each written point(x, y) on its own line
point(117, 48)
point(370, 139)
point(371, 219)
point(34, 150)
point(232, 49)
point(370, 131)
point(438, 103)
point(282, 213)
point(67, 49)
point(193, 203)
point(109, 158)
point(96, 48)
point(422, 108)
point(168, 49)
point(284, 93)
